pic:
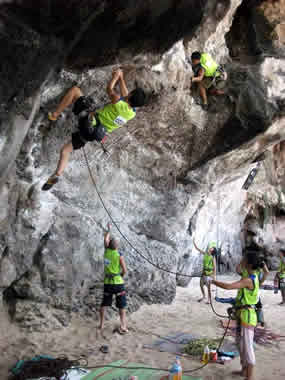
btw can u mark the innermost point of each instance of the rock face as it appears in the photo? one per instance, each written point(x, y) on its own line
point(173, 174)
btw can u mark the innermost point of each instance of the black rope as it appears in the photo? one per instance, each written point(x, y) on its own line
point(121, 233)
point(58, 367)
point(225, 333)
point(47, 367)
point(158, 267)
point(145, 368)
point(212, 307)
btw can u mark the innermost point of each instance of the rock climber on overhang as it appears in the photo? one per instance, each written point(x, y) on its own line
point(94, 125)
point(208, 75)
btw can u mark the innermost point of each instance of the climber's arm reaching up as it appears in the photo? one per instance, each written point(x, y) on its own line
point(123, 87)
point(113, 95)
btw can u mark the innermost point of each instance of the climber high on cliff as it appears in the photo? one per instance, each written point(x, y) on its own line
point(94, 125)
point(208, 75)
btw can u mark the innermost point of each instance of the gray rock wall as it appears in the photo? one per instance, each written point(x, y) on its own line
point(174, 174)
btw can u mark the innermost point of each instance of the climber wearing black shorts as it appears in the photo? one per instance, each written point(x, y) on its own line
point(94, 125)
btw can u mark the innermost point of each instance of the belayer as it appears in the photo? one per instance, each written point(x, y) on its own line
point(245, 310)
point(208, 75)
point(94, 125)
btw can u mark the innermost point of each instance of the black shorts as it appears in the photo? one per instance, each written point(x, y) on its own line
point(79, 139)
point(76, 141)
point(109, 291)
point(83, 103)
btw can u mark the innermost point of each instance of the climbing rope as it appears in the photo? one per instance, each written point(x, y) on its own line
point(218, 226)
point(156, 266)
point(213, 309)
point(135, 249)
point(122, 234)
point(58, 367)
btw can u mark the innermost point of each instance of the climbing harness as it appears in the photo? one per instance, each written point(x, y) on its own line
point(219, 76)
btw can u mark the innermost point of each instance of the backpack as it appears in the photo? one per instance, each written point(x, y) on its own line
point(84, 103)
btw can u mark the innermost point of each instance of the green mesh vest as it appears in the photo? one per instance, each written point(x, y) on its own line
point(208, 265)
point(248, 316)
point(114, 116)
point(209, 65)
point(282, 268)
point(112, 267)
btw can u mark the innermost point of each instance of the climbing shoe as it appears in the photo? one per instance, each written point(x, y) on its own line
point(50, 183)
point(51, 117)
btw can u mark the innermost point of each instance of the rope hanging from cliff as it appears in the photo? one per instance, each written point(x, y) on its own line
point(135, 249)
point(218, 257)
point(122, 234)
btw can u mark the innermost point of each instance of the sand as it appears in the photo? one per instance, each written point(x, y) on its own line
point(184, 314)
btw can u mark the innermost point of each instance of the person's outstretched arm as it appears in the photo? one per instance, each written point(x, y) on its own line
point(244, 283)
point(113, 95)
point(123, 87)
point(107, 236)
point(200, 76)
point(198, 249)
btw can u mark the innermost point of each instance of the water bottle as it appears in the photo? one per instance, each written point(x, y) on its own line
point(276, 285)
point(175, 372)
point(206, 355)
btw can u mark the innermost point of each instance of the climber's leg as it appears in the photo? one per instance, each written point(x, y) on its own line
point(203, 93)
point(202, 289)
point(69, 98)
point(63, 160)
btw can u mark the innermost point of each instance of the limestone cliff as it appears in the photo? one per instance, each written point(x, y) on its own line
point(173, 174)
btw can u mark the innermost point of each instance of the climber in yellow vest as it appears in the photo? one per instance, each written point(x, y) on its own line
point(247, 298)
point(114, 270)
point(280, 276)
point(208, 75)
point(209, 269)
point(94, 125)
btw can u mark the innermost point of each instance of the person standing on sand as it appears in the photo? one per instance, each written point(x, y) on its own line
point(209, 269)
point(245, 313)
point(280, 276)
point(114, 270)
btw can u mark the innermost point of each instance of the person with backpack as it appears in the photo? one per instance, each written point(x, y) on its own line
point(208, 75)
point(94, 125)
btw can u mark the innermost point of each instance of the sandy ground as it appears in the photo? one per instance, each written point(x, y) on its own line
point(185, 314)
